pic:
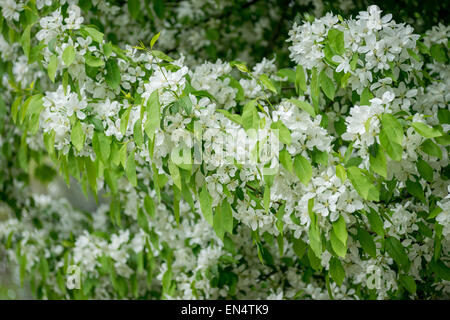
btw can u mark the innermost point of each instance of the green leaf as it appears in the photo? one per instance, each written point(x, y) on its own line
point(161, 55)
point(425, 130)
point(65, 80)
point(23, 109)
point(336, 40)
point(22, 270)
point(376, 223)
point(206, 205)
point(392, 127)
point(327, 85)
point(425, 230)
point(51, 45)
point(303, 169)
point(283, 132)
point(314, 88)
point(264, 255)
point(409, 283)
point(287, 73)
point(311, 213)
point(314, 261)
point(378, 163)
point(185, 103)
point(138, 136)
point(96, 35)
point(425, 170)
point(367, 243)
point(415, 189)
point(340, 229)
point(300, 79)
point(443, 116)
point(250, 117)
point(154, 39)
point(320, 157)
point(167, 280)
point(240, 66)
point(93, 61)
point(438, 53)
point(112, 74)
point(327, 284)
point(160, 8)
point(393, 149)
point(43, 268)
point(423, 48)
point(35, 106)
point(279, 215)
point(240, 95)
point(15, 108)
point(91, 170)
point(77, 136)
point(134, 8)
point(25, 41)
point(299, 247)
point(391, 136)
point(440, 269)
point(175, 173)
point(344, 79)
point(366, 96)
point(305, 106)
point(156, 181)
point(266, 198)
point(131, 169)
point(338, 246)
point(108, 49)
point(286, 160)
point(354, 61)
point(2, 112)
point(223, 219)
point(232, 116)
point(267, 83)
point(363, 184)
point(315, 241)
point(413, 54)
point(397, 251)
point(49, 142)
point(68, 55)
point(443, 140)
point(337, 272)
point(124, 120)
point(432, 149)
point(102, 146)
point(341, 173)
point(153, 114)
point(149, 206)
point(280, 242)
point(52, 66)
point(142, 220)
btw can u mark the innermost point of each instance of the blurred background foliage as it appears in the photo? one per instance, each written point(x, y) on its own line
point(228, 24)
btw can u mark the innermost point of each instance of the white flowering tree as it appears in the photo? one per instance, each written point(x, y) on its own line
point(321, 175)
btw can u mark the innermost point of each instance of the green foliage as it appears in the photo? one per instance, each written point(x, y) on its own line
point(336, 41)
point(363, 184)
point(391, 136)
point(302, 169)
point(112, 74)
point(304, 106)
point(68, 55)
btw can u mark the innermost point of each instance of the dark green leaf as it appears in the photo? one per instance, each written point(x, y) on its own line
point(397, 252)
